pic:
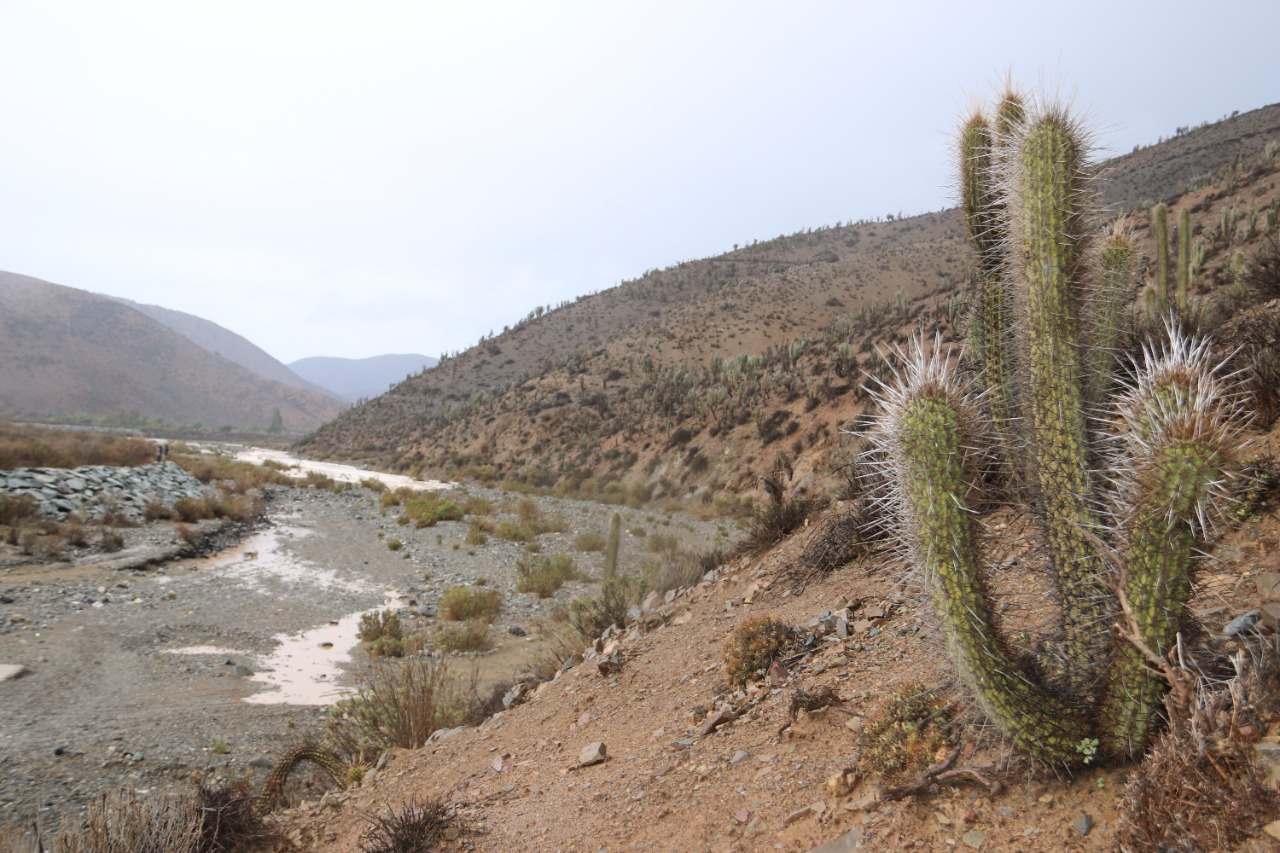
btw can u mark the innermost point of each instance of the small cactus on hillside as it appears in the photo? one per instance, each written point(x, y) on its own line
point(1122, 547)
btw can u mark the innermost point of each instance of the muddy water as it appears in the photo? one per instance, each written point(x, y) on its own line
point(342, 473)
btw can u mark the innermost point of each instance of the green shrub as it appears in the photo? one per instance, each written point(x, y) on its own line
point(398, 703)
point(476, 535)
point(459, 603)
point(589, 617)
point(429, 508)
point(472, 635)
point(394, 544)
point(373, 484)
point(378, 624)
point(543, 575)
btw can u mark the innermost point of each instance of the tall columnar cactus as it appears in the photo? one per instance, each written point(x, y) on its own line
point(1184, 260)
point(1161, 216)
point(1107, 312)
point(1122, 547)
point(1047, 226)
point(984, 213)
point(611, 547)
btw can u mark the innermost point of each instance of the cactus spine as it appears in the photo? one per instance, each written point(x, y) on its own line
point(1176, 437)
point(1184, 260)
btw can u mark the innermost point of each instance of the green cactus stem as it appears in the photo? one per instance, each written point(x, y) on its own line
point(983, 213)
point(1184, 260)
point(1106, 307)
point(1046, 177)
point(1161, 216)
point(929, 435)
point(1178, 438)
point(611, 548)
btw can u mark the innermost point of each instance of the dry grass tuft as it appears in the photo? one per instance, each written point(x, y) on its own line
point(1200, 787)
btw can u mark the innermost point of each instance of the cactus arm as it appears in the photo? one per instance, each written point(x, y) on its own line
point(1184, 260)
point(1179, 436)
point(927, 434)
point(1162, 256)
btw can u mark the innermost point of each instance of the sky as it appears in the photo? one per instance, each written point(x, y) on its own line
point(353, 179)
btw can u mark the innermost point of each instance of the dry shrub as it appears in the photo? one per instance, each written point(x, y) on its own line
point(400, 702)
point(190, 535)
point(229, 819)
point(782, 514)
point(588, 541)
point(753, 646)
point(157, 511)
point(412, 828)
point(16, 510)
point(459, 603)
point(909, 732)
point(111, 541)
point(590, 617)
point(124, 821)
point(680, 569)
point(1200, 787)
point(36, 447)
point(834, 543)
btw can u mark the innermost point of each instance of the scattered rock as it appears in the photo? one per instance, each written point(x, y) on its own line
point(10, 671)
point(517, 631)
point(739, 756)
point(592, 753)
point(1273, 829)
point(714, 720)
point(974, 838)
point(812, 810)
point(1084, 825)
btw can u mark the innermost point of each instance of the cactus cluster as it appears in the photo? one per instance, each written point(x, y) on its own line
point(1122, 546)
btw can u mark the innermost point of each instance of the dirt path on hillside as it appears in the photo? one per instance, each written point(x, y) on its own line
point(145, 677)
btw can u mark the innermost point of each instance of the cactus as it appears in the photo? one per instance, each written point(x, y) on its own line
point(931, 437)
point(1160, 214)
point(1046, 184)
point(1106, 325)
point(1122, 547)
point(611, 548)
point(1184, 260)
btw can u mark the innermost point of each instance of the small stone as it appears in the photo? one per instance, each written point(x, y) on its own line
point(570, 662)
point(517, 631)
point(1245, 621)
point(778, 673)
point(974, 838)
point(59, 750)
point(1273, 829)
point(743, 817)
point(592, 753)
point(739, 756)
point(714, 720)
point(1045, 799)
point(1083, 825)
point(241, 670)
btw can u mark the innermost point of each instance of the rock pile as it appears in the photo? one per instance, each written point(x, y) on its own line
point(95, 490)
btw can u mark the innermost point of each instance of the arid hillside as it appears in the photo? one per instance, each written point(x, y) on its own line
point(688, 380)
point(67, 351)
point(220, 341)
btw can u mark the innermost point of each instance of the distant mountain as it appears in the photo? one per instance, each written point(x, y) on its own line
point(226, 343)
point(68, 351)
point(360, 378)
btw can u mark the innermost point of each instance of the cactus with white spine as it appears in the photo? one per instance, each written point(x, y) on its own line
point(1131, 539)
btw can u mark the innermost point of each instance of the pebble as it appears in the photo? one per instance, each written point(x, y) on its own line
point(974, 838)
point(592, 753)
point(1083, 825)
point(740, 755)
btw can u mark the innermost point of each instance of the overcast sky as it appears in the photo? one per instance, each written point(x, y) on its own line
point(361, 178)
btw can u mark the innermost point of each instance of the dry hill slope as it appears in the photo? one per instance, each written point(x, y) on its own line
point(68, 351)
point(689, 379)
point(221, 341)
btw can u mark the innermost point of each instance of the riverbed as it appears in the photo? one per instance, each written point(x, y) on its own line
point(145, 678)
